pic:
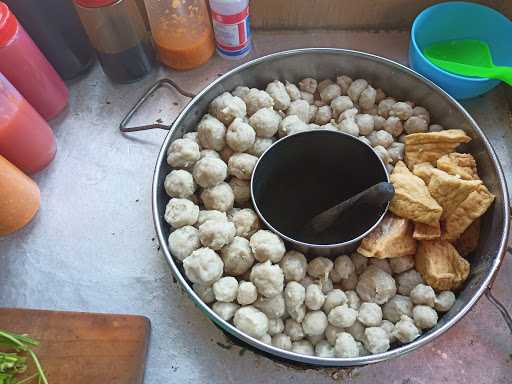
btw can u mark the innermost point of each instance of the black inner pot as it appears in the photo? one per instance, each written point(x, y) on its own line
point(307, 173)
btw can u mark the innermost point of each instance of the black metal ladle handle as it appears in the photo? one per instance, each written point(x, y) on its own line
point(160, 83)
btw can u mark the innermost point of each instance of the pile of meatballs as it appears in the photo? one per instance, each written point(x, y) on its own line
point(346, 307)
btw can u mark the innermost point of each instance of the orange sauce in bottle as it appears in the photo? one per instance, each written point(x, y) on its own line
point(184, 37)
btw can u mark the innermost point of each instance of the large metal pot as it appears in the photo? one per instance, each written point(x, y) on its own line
point(398, 81)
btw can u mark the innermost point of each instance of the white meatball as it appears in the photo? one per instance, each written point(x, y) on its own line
point(237, 257)
point(192, 136)
point(261, 144)
point(309, 97)
point(273, 307)
point(346, 346)
point(265, 122)
point(294, 295)
point(215, 234)
point(334, 298)
point(350, 282)
point(241, 189)
point(299, 108)
point(303, 347)
point(211, 133)
point(357, 330)
point(360, 262)
point(205, 292)
point(257, 99)
point(179, 183)
point(324, 349)
point(376, 340)
point(435, 128)
point(267, 246)
point(225, 310)
point(314, 297)
point(344, 82)
point(210, 171)
point(385, 106)
point(401, 110)
point(353, 300)
point(220, 197)
point(308, 85)
point(367, 98)
point(227, 107)
point(393, 126)
point(183, 153)
point(241, 165)
point(370, 314)
point(444, 301)
point(266, 338)
point(401, 264)
point(323, 115)
point(380, 138)
point(282, 341)
point(320, 267)
point(293, 329)
point(341, 104)
point(343, 266)
point(356, 88)
point(378, 122)
point(405, 330)
point(407, 281)
point(381, 264)
point(251, 321)
point(349, 126)
point(247, 293)
point(314, 323)
point(203, 266)
point(415, 124)
point(210, 153)
point(396, 307)
point(246, 222)
point(382, 153)
point(324, 83)
point(331, 332)
point(181, 212)
point(423, 294)
point(297, 313)
point(292, 124)
point(375, 286)
point(225, 289)
point(421, 112)
point(342, 316)
point(206, 215)
point(365, 123)
point(275, 326)
point(240, 136)
point(389, 327)
point(267, 278)
point(183, 241)
point(396, 151)
point(424, 316)
point(329, 127)
point(240, 91)
point(293, 91)
point(330, 92)
point(294, 265)
point(277, 91)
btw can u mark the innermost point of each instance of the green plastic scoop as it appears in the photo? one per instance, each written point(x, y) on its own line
point(467, 58)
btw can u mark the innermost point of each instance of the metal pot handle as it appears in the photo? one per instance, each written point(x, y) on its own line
point(160, 83)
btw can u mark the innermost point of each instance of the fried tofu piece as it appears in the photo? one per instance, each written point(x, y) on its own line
point(424, 171)
point(429, 147)
point(462, 165)
point(412, 200)
point(449, 191)
point(440, 265)
point(426, 232)
point(391, 238)
point(474, 206)
point(468, 241)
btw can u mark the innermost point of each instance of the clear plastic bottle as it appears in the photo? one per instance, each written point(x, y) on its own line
point(232, 27)
point(182, 32)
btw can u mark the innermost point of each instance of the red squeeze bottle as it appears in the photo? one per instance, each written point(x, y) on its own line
point(27, 68)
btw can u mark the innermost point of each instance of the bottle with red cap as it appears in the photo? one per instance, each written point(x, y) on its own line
point(117, 32)
point(27, 68)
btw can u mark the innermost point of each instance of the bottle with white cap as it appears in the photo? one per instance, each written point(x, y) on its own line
point(230, 19)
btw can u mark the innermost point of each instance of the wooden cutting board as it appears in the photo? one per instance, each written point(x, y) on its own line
point(84, 348)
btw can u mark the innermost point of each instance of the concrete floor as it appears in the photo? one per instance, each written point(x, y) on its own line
point(93, 248)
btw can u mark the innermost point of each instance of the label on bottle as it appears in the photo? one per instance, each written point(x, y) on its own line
point(232, 32)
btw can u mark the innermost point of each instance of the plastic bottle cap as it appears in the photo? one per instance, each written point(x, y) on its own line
point(8, 24)
point(95, 3)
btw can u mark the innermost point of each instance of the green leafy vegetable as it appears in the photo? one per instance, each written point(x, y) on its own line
point(14, 363)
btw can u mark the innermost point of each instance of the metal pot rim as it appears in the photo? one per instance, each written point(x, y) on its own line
point(314, 360)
